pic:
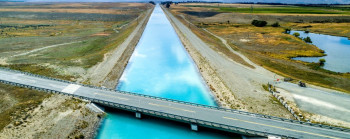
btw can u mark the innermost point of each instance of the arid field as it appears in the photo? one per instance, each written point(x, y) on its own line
point(63, 40)
point(67, 41)
point(228, 29)
point(270, 46)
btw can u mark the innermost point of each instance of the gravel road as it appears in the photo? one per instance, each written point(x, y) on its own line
point(246, 84)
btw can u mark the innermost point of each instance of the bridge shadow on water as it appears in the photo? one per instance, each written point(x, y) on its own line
point(154, 127)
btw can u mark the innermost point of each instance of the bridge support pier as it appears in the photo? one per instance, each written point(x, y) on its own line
point(138, 115)
point(194, 127)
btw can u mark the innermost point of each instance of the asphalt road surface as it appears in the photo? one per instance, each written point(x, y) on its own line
point(246, 121)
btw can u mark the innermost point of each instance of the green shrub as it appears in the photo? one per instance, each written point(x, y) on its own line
point(276, 24)
point(308, 40)
point(152, 2)
point(296, 34)
point(287, 30)
point(266, 88)
point(259, 23)
point(322, 61)
point(81, 136)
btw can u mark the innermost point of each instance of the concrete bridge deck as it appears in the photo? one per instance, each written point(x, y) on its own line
point(194, 114)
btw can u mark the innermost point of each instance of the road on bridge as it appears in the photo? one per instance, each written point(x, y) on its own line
point(248, 121)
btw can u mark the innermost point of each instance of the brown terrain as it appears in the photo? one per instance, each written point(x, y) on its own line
point(250, 56)
point(100, 48)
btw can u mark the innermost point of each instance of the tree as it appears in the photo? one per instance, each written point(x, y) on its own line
point(167, 5)
point(276, 24)
point(308, 40)
point(287, 30)
point(259, 23)
point(152, 2)
point(296, 34)
point(322, 61)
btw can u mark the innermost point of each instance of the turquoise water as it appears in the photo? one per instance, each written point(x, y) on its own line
point(336, 48)
point(159, 66)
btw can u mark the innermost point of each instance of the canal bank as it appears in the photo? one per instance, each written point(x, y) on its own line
point(159, 66)
point(223, 95)
point(246, 84)
point(108, 72)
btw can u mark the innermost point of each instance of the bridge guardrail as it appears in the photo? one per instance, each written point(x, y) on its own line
point(183, 102)
point(153, 113)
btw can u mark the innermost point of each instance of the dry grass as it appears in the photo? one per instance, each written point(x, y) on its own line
point(93, 5)
point(16, 101)
point(93, 38)
point(336, 29)
point(272, 9)
point(268, 40)
point(97, 8)
point(84, 5)
point(215, 43)
point(270, 47)
point(98, 11)
point(211, 13)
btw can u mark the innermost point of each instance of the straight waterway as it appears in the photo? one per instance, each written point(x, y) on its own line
point(159, 66)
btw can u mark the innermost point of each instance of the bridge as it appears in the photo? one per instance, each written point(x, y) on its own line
point(194, 114)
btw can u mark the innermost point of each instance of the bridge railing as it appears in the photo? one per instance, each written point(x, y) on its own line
point(153, 113)
point(178, 101)
point(184, 119)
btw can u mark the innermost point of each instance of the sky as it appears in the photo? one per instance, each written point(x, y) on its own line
point(228, 1)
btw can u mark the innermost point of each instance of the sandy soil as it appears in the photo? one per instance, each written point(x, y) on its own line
point(57, 117)
point(3, 61)
point(244, 83)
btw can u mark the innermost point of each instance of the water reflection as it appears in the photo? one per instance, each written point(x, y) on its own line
point(160, 66)
point(336, 48)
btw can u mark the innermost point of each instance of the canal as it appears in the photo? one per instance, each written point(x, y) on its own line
point(160, 66)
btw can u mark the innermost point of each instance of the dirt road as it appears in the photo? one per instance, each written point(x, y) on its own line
point(244, 83)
